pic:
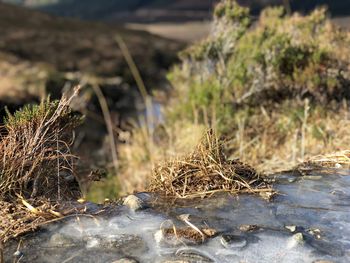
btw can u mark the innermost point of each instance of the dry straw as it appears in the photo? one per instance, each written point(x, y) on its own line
point(333, 160)
point(207, 171)
point(35, 167)
point(35, 157)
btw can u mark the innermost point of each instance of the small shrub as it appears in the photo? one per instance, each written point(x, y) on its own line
point(35, 151)
point(281, 57)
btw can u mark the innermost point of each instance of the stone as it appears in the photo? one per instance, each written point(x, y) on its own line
point(291, 228)
point(248, 228)
point(233, 241)
point(193, 255)
point(299, 237)
point(295, 240)
point(338, 166)
point(18, 255)
point(134, 203)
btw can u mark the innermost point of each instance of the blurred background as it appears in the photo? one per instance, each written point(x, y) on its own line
point(121, 52)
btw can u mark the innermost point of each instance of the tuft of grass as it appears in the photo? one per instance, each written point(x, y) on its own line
point(37, 169)
point(35, 151)
point(337, 160)
point(204, 172)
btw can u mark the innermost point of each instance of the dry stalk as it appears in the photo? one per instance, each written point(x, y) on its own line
point(109, 123)
point(147, 100)
point(304, 128)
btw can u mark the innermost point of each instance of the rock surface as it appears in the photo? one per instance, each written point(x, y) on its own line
point(308, 223)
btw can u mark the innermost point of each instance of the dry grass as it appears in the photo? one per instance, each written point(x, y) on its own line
point(22, 217)
point(206, 171)
point(333, 160)
point(37, 167)
point(190, 234)
point(35, 151)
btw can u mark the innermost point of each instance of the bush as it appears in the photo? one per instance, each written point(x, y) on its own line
point(35, 151)
point(278, 58)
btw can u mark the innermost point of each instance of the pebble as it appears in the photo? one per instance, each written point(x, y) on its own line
point(134, 203)
point(295, 240)
point(295, 229)
point(193, 255)
point(291, 228)
point(315, 233)
point(248, 228)
point(233, 241)
point(338, 166)
point(18, 254)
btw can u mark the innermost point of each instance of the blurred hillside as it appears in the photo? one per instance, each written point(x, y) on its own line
point(68, 45)
point(41, 54)
point(164, 10)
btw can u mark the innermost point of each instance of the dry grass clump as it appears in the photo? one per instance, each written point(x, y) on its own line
point(333, 160)
point(34, 151)
point(206, 171)
point(36, 166)
point(143, 149)
point(24, 216)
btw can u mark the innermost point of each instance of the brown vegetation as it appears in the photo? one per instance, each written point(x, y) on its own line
point(35, 153)
point(206, 171)
point(37, 167)
point(189, 234)
point(333, 160)
point(21, 217)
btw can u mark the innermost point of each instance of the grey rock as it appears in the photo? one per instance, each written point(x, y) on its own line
point(128, 244)
point(233, 241)
point(134, 203)
point(193, 255)
point(18, 254)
